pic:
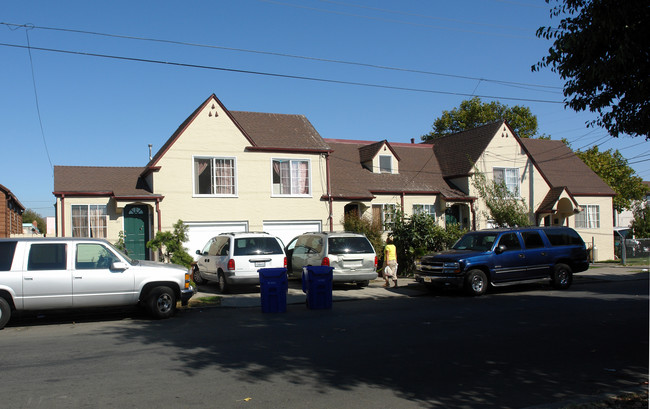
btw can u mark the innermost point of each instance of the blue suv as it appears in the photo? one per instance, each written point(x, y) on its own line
point(498, 257)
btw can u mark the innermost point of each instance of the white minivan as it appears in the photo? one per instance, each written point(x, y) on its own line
point(235, 258)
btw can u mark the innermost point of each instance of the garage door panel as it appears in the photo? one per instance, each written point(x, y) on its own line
point(199, 233)
point(287, 230)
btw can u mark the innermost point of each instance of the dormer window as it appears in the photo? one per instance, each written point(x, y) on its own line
point(385, 164)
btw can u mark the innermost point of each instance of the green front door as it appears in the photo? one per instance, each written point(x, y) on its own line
point(136, 231)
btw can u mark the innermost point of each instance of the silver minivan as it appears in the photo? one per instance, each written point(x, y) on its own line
point(235, 258)
point(350, 254)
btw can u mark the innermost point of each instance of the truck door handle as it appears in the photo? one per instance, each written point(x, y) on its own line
point(521, 255)
point(543, 253)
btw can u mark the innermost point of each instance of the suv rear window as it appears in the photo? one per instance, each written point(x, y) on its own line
point(563, 237)
point(7, 249)
point(249, 246)
point(347, 245)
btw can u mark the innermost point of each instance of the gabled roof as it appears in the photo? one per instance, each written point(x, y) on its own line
point(262, 130)
point(368, 152)
point(419, 172)
point(11, 196)
point(457, 153)
point(96, 180)
point(560, 166)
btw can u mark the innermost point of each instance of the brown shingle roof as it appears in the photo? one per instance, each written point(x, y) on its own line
point(117, 181)
point(281, 131)
point(560, 166)
point(419, 172)
point(457, 153)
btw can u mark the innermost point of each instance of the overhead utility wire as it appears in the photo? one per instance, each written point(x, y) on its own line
point(269, 74)
point(391, 20)
point(276, 54)
point(38, 109)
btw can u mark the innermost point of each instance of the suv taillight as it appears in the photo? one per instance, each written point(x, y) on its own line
point(231, 264)
point(285, 262)
point(325, 262)
point(375, 262)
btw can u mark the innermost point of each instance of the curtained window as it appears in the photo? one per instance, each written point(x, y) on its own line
point(89, 221)
point(291, 177)
point(509, 176)
point(214, 176)
point(588, 218)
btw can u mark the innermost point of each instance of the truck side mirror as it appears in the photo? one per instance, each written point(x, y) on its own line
point(500, 249)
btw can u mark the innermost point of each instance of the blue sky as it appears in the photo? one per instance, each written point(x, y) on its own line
point(379, 70)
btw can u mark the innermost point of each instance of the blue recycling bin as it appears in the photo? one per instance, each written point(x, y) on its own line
point(317, 283)
point(273, 289)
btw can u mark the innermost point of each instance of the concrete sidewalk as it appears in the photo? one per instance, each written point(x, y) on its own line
point(249, 296)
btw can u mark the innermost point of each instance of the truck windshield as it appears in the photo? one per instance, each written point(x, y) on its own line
point(476, 241)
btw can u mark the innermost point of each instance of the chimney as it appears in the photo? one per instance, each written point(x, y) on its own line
point(412, 140)
point(150, 145)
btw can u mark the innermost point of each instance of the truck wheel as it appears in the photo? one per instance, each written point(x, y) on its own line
point(196, 276)
point(162, 302)
point(562, 276)
point(223, 285)
point(5, 312)
point(476, 283)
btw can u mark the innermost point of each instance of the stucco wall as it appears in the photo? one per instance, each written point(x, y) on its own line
point(217, 136)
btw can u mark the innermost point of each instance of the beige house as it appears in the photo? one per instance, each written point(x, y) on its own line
point(225, 170)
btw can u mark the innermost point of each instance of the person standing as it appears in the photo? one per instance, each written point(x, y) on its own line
point(390, 263)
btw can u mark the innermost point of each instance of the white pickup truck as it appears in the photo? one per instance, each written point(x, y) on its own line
point(58, 273)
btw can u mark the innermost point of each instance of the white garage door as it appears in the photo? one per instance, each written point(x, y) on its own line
point(287, 230)
point(199, 233)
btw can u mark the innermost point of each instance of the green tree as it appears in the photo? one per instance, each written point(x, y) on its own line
point(418, 235)
point(612, 167)
point(600, 49)
point(504, 208)
point(641, 223)
point(364, 225)
point(171, 245)
point(473, 113)
point(30, 216)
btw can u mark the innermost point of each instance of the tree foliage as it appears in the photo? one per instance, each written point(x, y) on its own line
point(372, 229)
point(612, 167)
point(600, 49)
point(418, 235)
point(641, 223)
point(30, 216)
point(504, 208)
point(171, 245)
point(473, 113)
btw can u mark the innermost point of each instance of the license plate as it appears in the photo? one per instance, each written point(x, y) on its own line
point(427, 279)
point(259, 264)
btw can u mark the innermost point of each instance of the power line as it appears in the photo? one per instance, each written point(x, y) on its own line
point(277, 75)
point(285, 55)
point(38, 109)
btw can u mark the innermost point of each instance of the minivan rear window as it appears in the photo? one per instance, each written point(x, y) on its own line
point(7, 249)
point(348, 245)
point(250, 246)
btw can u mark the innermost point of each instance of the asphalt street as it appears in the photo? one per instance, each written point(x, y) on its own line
point(517, 347)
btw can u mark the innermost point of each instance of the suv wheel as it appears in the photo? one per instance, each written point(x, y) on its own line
point(362, 284)
point(562, 276)
point(5, 312)
point(223, 285)
point(196, 276)
point(162, 302)
point(476, 283)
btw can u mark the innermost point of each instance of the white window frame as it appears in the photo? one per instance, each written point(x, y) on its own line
point(512, 181)
point(383, 169)
point(588, 218)
point(213, 177)
point(95, 225)
point(293, 178)
point(426, 208)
